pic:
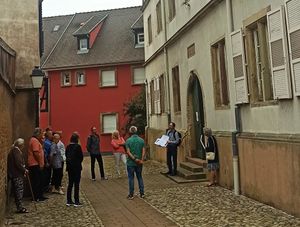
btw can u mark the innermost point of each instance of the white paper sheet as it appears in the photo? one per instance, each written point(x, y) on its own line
point(162, 141)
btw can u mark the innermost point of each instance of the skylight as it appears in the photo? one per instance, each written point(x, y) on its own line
point(56, 28)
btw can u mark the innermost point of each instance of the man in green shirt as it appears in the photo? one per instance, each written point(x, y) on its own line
point(135, 147)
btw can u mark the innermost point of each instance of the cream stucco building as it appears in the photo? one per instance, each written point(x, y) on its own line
point(232, 66)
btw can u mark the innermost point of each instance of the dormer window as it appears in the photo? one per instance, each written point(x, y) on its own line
point(83, 44)
point(140, 39)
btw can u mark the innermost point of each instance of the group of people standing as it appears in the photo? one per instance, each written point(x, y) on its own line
point(46, 157)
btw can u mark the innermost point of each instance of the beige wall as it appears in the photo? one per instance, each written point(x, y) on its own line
point(19, 29)
point(270, 172)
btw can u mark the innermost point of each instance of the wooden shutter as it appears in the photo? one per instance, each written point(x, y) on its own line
point(279, 54)
point(158, 96)
point(293, 28)
point(240, 78)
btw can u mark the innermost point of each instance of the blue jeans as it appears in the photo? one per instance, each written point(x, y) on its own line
point(138, 171)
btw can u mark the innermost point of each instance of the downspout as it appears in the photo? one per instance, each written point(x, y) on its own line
point(166, 62)
point(237, 116)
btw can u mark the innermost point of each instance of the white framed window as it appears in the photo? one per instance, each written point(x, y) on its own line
point(108, 122)
point(80, 77)
point(66, 79)
point(108, 78)
point(138, 76)
point(83, 44)
point(140, 38)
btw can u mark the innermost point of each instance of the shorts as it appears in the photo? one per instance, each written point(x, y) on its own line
point(213, 166)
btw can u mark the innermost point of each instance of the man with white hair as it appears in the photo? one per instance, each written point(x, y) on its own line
point(135, 147)
point(17, 172)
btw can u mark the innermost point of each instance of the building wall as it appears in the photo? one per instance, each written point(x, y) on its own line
point(264, 164)
point(270, 171)
point(78, 108)
point(19, 29)
point(6, 140)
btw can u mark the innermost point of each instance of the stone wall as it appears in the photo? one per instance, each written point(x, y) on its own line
point(270, 171)
point(6, 139)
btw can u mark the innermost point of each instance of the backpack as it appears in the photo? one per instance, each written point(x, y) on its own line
point(180, 138)
point(179, 135)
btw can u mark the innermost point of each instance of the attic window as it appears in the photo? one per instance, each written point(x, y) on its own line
point(83, 44)
point(56, 28)
point(140, 38)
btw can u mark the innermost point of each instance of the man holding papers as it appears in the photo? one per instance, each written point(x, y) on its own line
point(172, 145)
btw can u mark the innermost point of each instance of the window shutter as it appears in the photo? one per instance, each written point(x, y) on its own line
point(240, 79)
point(108, 78)
point(109, 123)
point(293, 28)
point(279, 54)
point(158, 95)
point(138, 76)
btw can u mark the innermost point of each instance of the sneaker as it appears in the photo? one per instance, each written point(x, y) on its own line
point(142, 195)
point(68, 204)
point(104, 178)
point(77, 204)
point(130, 197)
point(61, 192)
point(93, 179)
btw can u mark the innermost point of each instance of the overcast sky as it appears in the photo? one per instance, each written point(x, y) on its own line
point(62, 7)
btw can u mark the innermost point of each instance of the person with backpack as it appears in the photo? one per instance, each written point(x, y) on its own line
point(173, 142)
point(74, 158)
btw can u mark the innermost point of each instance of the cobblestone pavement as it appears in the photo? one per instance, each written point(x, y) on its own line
point(53, 212)
point(185, 204)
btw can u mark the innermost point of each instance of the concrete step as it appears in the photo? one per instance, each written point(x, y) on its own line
point(197, 161)
point(191, 167)
point(181, 180)
point(189, 175)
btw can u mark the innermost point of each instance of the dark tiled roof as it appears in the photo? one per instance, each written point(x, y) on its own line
point(51, 36)
point(89, 25)
point(114, 43)
point(139, 23)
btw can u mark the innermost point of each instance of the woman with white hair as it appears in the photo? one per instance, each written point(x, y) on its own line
point(212, 162)
point(17, 172)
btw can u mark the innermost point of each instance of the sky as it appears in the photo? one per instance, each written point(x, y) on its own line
point(63, 7)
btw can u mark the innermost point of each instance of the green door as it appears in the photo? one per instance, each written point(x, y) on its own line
point(198, 116)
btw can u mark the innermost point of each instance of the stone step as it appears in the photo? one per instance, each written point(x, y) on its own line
point(189, 175)
point(181, 180)
point(197, 161)
point(191, 167)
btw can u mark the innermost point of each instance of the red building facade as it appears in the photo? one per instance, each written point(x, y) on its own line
point(93, 66)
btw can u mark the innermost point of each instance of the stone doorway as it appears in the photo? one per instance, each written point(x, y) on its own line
point(195, 117)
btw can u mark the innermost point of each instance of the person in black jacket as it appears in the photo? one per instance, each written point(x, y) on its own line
point(93, 147)
point(17, 172)
point(74, 158)
point(212, 165)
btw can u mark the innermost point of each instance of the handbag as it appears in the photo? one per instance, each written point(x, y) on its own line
point(211, 155)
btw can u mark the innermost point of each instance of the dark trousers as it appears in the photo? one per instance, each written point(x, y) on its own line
point(57, 177)
point(36, 177)
point(74, 180)
point(47, 172)
point(172, 159)
point(138, 171)
point(18, 187)
point(97, 157)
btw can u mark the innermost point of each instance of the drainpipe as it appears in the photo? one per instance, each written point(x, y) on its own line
point(166, 62)
point(237, 116)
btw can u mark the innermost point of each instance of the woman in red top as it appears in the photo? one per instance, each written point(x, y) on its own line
point(118, 144)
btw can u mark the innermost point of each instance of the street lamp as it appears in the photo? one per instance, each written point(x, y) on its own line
point(37, 77)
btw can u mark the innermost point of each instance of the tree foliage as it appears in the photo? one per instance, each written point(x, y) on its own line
point(135, 111)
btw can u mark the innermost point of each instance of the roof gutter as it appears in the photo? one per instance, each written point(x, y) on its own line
point(182, 30)
point(42, 66)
